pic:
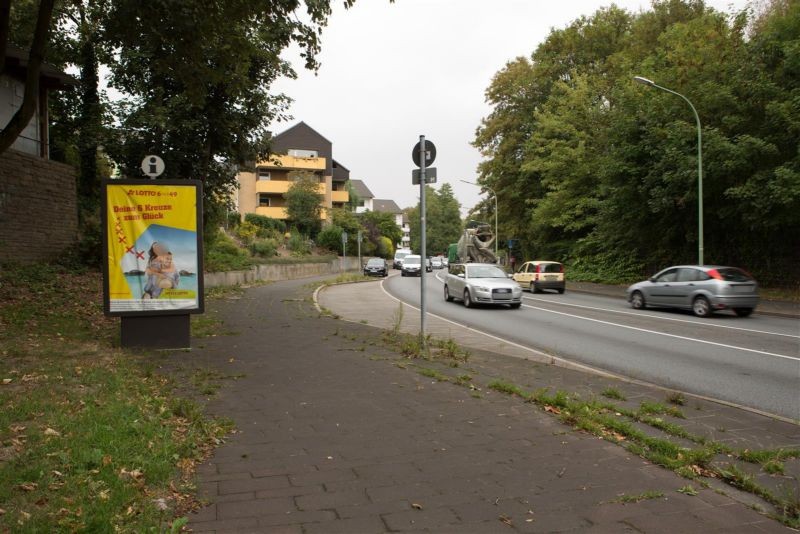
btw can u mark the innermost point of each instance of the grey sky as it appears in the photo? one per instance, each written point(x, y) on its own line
point(391, 72)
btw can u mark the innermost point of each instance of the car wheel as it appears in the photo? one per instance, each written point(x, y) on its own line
point(701, 307)
point(467, 299)
point(447, 296)
point(402, 273)
point(637, 301)
point(534, 288)
point(561, 291)
point(743, 312)
point(516, 305)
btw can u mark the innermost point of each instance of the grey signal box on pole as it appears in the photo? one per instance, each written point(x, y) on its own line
point(430, 176)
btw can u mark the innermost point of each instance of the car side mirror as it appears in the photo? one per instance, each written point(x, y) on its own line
point(509, 275)
point(652, 278)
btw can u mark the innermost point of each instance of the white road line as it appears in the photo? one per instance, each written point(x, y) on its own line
point(506, 341)
point(783, 356)
point(635, 314)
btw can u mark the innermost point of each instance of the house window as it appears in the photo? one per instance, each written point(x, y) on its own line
point(264, 175)
point(300, 153)
point(263, 200)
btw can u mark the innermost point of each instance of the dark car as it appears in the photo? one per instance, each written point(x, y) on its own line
point(703, 289)
point(376, 267)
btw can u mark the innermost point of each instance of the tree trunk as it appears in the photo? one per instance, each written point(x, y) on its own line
point(89, 124)
point(35, 59)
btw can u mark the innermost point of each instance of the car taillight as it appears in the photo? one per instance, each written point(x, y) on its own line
point(713, 273)
point(538, 267)
point(562, 268)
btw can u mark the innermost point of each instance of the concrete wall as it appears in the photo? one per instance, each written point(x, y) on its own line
point(278, 272)
point(38, 208)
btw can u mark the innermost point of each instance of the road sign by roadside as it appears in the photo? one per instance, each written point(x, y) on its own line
point(430, 176)
point(152, 166)
point(344, 238)
point(430, 154)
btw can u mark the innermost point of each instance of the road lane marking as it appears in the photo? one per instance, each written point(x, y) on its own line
point(635, 314)
point(784, 356)
point(662, 318)
point(552, 358)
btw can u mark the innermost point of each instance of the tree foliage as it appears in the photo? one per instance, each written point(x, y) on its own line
point(595, 170)
point(443, 221)
point(303, 203)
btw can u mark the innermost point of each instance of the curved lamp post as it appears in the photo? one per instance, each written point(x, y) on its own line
point(645, 81)
point(496, 235)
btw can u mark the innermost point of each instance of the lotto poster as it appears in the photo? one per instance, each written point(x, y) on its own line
point(153, 247)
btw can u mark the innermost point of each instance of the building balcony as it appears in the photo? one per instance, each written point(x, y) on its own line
point(275, 213)
point(280, 213)
point(277, 161)
point(340, 196)
point(280, 187)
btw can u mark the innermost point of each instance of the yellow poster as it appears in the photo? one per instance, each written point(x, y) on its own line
point(153, 246)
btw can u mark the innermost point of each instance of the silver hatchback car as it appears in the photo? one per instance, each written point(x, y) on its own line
point(703, 289)
point(483, 283)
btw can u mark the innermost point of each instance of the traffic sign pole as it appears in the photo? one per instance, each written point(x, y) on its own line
point(423, 236)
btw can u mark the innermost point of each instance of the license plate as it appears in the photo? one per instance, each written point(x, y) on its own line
point(551, 277)
point(502, 291)
point(742, 289)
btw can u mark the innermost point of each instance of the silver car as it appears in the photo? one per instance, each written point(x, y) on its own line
point(481, 283)
point(411, 266)
point(703, 289)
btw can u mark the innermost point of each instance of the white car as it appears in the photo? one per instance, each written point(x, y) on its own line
point(436, 262)
point(481, 283)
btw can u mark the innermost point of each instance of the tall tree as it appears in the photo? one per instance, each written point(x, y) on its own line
point(303, 204)
point(443, 220)
point(19, 121)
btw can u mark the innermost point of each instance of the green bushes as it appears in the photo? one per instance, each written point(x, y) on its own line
point(266, 223)
point(299, 245)
point(223, 254)
point(330, 238)
point(264, 248)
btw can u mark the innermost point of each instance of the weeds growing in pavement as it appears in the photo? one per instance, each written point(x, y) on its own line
point(613, 393)
point(433, 373)
point(676, 398)
point(647, 495)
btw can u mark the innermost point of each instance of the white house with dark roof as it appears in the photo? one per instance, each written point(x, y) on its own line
point(364, 195)
point(400, 218)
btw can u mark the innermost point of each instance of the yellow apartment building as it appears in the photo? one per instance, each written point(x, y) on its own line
point(298, 149)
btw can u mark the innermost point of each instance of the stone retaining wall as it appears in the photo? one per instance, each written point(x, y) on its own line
point(278, 272)
point(38, 208)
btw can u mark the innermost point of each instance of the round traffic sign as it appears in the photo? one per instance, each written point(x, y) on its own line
point(430, 154)
point(152, 166)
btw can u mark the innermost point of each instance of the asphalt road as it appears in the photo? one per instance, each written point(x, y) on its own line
point(753, 361)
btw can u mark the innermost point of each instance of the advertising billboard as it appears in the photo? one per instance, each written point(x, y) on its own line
point(153, 256)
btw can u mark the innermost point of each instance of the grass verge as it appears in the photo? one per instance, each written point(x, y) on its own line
point(91, 437)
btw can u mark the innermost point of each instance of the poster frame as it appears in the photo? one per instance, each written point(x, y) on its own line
point(198, 187)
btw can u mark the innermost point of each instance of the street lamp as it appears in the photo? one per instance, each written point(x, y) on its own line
point(645, 81)
point(496, 234)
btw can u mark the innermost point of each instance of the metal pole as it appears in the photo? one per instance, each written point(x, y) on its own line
point(360, 266)
point(496, 229)
point(700, 250)
point(423, 239)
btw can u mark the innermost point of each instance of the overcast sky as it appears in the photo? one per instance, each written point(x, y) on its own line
point(393, 72)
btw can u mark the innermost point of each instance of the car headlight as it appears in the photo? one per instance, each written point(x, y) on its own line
point(484, 289)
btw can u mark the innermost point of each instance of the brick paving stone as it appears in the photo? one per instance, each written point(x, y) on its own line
point(255, 508)
point(329, 440)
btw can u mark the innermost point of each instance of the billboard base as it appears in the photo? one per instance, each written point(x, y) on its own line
point(155, 331)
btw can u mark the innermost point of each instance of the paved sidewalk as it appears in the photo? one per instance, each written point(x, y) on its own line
point(335, 436)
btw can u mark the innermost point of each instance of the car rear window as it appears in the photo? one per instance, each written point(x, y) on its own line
point(732, 274)
point(375, 263)
point(549, 267)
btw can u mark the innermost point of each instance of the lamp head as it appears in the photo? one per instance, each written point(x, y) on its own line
point(643, 81)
